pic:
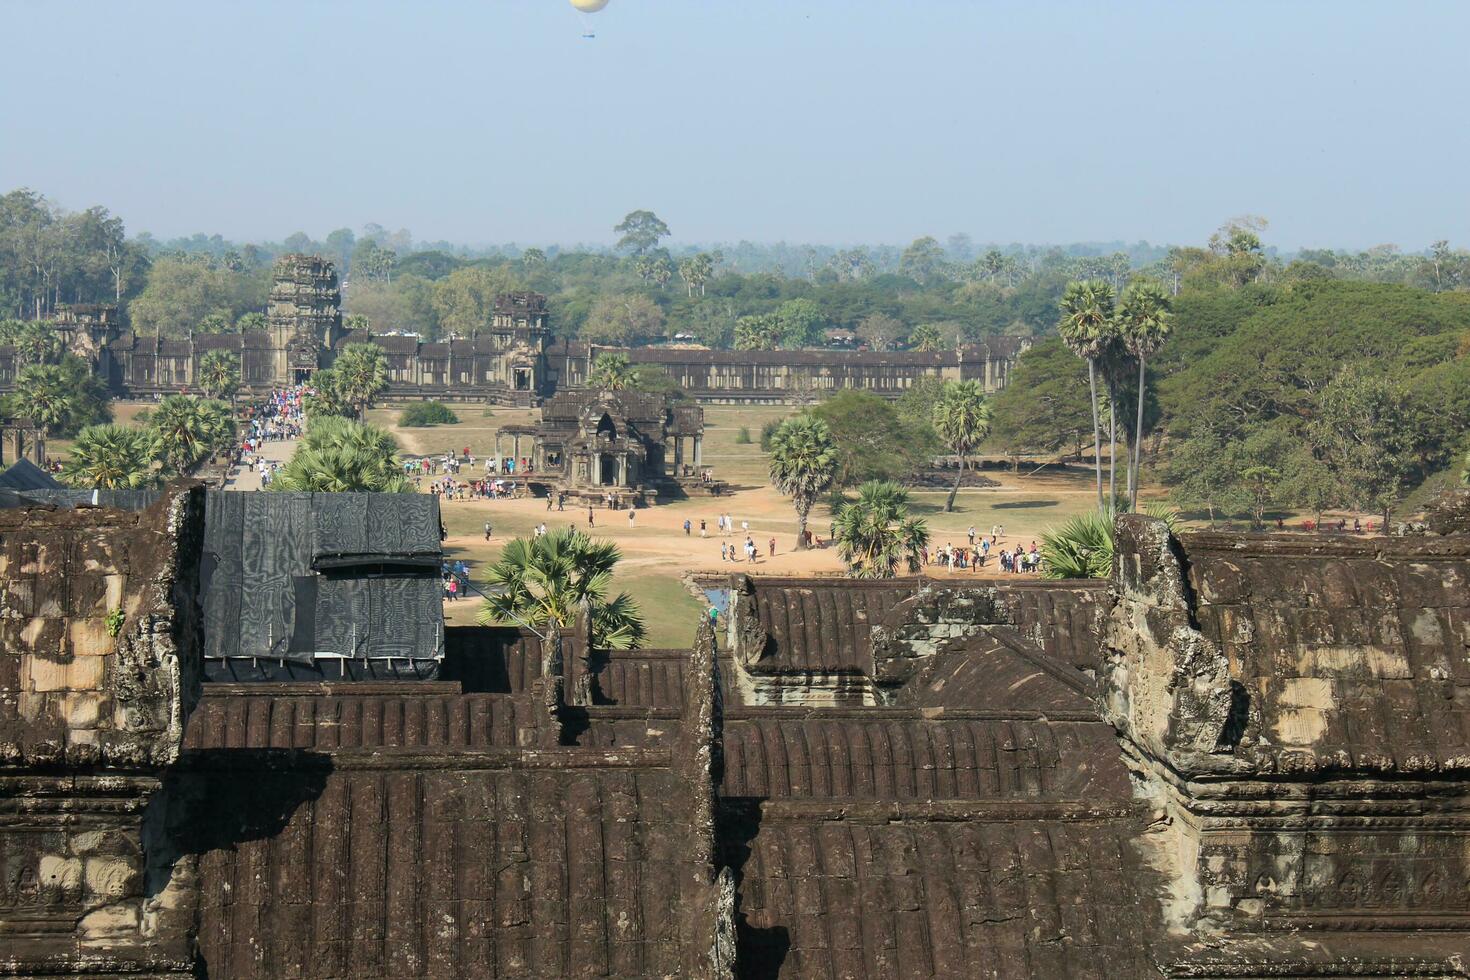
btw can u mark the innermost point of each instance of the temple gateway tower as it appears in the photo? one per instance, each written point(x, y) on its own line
point(304, 314)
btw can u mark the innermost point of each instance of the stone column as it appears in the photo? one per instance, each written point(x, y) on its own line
point(623, 470)
point(678, 455)
point(698, 451)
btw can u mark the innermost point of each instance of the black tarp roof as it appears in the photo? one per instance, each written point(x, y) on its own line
point(294, 575)
point(25, 475)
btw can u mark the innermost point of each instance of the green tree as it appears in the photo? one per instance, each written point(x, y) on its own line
point(533, 258)
point(623, 318)
point(880, 331)
point(1366, 432)
point(372, 262)
point(1088, 330)
point(325, 398)
point(962, 419)
point(180, 294)
point(1081, 548)
point(180, 433)
point(876, 533)
point(361, 375)
point(873, 441)
point(251, 322)
point(1144, 322)
point(219, 374)
point(111, 457)
point(59, 398)
point(1260, 483)
point(465, 299)
point(422, 414)
point(800, 323)
point(213, 323)
point(1044, 407)
point(37, 343)
point(548, 580)
point(611, 372)
point(342, 456)
point(696, 272)
point(923, 261)
point(802, 466)
point(641, 231)
point(761, 331)
point(926, 337)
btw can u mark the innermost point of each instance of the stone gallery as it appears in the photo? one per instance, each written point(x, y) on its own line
point(1243, 756)
point(515, 360)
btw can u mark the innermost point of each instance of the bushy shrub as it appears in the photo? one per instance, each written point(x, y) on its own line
point(421, 414)
point(742, 438)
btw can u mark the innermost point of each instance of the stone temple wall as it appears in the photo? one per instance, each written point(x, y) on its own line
point(1243, 757)
point(99, 654)
point(1299, 711)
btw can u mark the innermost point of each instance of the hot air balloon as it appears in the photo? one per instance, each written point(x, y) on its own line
point(585, 7)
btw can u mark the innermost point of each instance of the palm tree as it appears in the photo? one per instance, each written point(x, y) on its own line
point(803, 464)
point(342, 456)
point(44, 394)
point(546, 580)
point(111, 457)
point(611, 372)
point(361, 374)
point(1087, 328)
point(962, 419)
point(325, 396)
point(1143, 324)
point(217, 426)
point(38, 344)
point(875, 532)
point(181, 432)
point(1083, 547)
point(219, 374)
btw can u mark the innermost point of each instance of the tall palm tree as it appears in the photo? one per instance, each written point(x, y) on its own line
point(37, 343)
point(1087, 328)
point(547, 580)
point(611, 372)
point(1144, 322)
point(219, 374)
point(361, 374)
point(876, 533)
point(181, 431)
point(962, 419)
point(217, 425)
point(803, 464)
point(111, 457)
point(44, 394)
point(342, 456)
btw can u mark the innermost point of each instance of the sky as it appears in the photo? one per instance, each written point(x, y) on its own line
point(817, 121)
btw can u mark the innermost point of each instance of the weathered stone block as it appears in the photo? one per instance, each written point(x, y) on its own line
point(110, 922)
point(89, 638)
point(86, 673)
point(46, 674)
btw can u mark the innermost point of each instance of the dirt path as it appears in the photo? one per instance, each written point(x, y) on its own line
point(248, 477)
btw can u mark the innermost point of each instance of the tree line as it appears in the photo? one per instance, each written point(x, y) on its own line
point(927, 295)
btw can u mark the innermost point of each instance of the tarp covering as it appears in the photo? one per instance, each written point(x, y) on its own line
point(117, 499)
point(25, 475)
point(351, 527)
point(264, 597)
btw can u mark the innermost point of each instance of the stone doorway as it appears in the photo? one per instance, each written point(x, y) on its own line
point(607, 470)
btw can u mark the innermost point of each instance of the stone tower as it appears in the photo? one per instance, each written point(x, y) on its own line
point(304, 314)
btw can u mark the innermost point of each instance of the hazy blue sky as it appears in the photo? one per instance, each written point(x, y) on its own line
point(806, 120)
